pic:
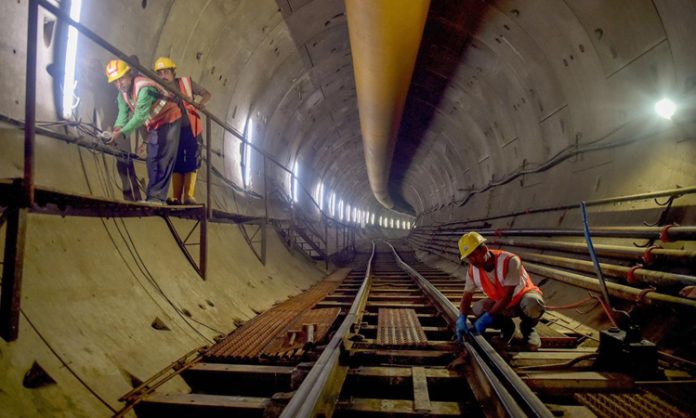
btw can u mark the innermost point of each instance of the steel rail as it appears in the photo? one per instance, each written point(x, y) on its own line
point(307, 396)
point(515, 396)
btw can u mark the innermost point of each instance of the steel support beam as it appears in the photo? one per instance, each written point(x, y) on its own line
point(12, 269)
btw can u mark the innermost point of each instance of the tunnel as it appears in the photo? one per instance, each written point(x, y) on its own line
point(345, 140)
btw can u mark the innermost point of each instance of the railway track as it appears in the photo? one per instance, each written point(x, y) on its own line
point(376, 341)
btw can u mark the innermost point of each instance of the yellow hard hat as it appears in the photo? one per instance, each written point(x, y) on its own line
point(164, 63)
point(469, 242)
point(116, 69)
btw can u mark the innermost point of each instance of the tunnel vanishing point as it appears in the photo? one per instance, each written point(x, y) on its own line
point(276, 232)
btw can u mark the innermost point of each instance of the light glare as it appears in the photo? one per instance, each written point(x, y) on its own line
point(69, 82)
point(665, 108)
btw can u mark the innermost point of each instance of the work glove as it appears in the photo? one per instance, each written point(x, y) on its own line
point(460, 327)
point(483, 322)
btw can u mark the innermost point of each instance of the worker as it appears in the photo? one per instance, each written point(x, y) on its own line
point(190, 141)
point(142, 102)
point(509, 292)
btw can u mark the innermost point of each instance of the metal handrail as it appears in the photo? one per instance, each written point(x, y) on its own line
point(29, 124)
point(515, 396)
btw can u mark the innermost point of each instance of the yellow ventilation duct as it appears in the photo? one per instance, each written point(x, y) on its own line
point(384, 38)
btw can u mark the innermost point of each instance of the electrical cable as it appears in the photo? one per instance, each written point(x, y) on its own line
point(65, 364)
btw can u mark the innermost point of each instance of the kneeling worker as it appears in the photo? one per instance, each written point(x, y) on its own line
point(508, 288)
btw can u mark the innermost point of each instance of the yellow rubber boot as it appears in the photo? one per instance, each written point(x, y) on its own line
point(178, 188)
point(190, 188)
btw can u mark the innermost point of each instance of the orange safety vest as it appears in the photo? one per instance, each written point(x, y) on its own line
point(186, 87)
point(163, 111)
point(495, 290)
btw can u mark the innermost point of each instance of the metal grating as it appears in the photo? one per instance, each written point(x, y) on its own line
point(249, 341)
point(629, 405)
point(399, 327)
point(309, 328)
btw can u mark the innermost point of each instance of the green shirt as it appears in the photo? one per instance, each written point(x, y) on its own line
point(127, 122)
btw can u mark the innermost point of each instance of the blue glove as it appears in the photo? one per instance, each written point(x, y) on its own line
point(460, 327)
point(483, 322)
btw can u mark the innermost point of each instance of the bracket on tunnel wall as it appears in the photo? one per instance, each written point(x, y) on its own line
point(254, 234)
point(201, 224)
point(12, 268)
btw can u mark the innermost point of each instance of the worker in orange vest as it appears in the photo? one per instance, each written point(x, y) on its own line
point(509, 292)
point(142, 102)
point(190, 141)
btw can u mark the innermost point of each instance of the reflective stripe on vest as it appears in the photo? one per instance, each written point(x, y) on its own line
point(186, 87)
point(496, 290)
point(162, 111)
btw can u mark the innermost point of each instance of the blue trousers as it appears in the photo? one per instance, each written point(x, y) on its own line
point(188, 157)
point(162, 145)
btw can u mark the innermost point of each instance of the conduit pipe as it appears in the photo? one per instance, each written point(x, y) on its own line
point(655, 278)
point(384, 38)
point(617, 290)
point(652, 277)
point(655, 255)
point(674, 233)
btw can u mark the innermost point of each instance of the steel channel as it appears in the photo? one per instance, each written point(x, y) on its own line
point(525, 401)
point(307, 396)
point(30, 104)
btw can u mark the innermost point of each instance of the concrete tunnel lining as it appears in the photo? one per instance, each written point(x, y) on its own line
point(533, 79)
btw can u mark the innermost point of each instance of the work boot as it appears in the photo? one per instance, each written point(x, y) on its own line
point(507, 329)
point(177, 189)
point(531, 337)
point(190, 188)
point(533, 340)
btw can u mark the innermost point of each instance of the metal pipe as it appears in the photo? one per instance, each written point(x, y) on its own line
point(674, 233)
point(611, 251)
point(578, 280)
point(657, 278)
point(658, 255)
point(616, 199)
point(384, 38)
point(30, 103)
point(595, 260)
point(208, 168)
point(614, 289)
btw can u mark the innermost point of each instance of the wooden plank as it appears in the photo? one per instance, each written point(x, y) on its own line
point(242, 369)
point(195, 405)
point(570, 382)
point(421, 397)
point(398, 407)
point(532, 358)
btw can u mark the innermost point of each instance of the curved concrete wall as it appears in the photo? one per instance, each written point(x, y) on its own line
point(499, 87)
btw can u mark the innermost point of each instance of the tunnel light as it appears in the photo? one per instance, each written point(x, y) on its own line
point(332, 204)
point(348, 213)
point(319, 195)
point(665, 108)
point(355, 214)
point(391, 222)
point(295, 182)
point(247, 153)
point(340, 210)
point(372, 218)
point(69, 82)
